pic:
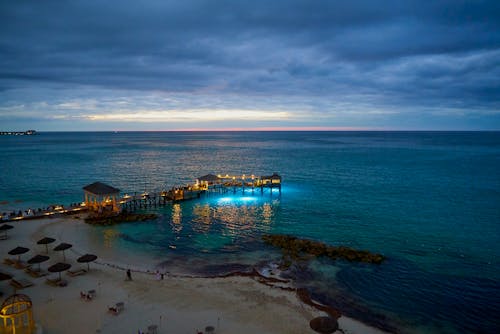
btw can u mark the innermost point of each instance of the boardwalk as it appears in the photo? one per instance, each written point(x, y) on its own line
point(207, 185)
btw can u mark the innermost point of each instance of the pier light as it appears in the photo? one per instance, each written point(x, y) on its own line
point(234, 177)
point(253, 176)
point(219, 176)
point(227, 175)
point(243, 177)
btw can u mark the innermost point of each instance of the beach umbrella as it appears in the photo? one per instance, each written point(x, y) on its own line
point(58, 267)
point(5, 227)
point(324, 325)
point(38, 259)
point(4, 276)
point(87, 258)
point(45, 241)
point(62, 247)
point(18, 251)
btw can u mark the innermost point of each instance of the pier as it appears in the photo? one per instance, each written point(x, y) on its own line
point(207, 185)
point(100, 198)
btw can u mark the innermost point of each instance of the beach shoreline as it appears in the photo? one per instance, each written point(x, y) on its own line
point(175, 304)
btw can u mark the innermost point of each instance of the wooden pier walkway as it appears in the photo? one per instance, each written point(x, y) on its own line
point(206, 185)
point(100, 197)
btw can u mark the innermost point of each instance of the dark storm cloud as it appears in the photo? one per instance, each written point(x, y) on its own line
point(390, 53)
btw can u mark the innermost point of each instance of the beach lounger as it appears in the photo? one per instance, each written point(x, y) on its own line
point(56, 282)
point(20, 283)
point(8, 261)
point(15, 263)
point(20, 264)
point(76, 272)
point(35, 273)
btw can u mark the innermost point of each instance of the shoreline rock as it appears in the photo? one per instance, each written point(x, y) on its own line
point(294, 248)
point(123, 217)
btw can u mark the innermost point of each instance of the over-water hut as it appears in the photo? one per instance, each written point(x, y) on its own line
point(209, 180)
point(100, 197)
point(274, 179)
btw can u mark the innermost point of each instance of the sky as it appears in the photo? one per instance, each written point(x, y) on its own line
point(85, 65)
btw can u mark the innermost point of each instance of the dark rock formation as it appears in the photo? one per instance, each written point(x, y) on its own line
point(295, 249)
point(123, 217)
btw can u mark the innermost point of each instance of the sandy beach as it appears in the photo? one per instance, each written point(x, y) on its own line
point(174, 304)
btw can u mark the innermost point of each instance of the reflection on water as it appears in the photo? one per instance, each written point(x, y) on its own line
point(233, 216)
point(109, 237)
point(176, 218)
point(267, 213)
point(218, 221)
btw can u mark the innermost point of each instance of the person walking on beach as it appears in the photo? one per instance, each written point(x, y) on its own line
point(129, 275)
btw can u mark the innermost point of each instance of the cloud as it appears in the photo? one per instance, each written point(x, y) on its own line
point(331, 60)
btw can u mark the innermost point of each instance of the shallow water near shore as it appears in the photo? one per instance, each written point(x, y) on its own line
point(428, 201)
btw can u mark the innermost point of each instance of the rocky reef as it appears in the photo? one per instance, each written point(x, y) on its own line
point(122, 217)
point(294, 249)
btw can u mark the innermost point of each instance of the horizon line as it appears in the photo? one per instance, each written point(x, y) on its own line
point(281, 130)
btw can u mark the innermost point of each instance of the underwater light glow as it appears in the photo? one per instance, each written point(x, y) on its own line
point(237, 199)
point(226, 199)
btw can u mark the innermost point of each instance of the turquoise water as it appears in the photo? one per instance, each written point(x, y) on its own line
point(429, 201)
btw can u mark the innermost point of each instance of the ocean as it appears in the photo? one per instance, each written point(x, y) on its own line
point(428, 201)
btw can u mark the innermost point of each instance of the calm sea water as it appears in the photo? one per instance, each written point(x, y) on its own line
point(429, 201)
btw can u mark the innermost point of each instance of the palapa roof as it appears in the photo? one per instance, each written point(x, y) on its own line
point(99, 188)
point(275, 176)
point(209, 178)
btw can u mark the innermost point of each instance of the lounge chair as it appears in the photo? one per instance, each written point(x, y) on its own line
point(20, 283)
point(8, 261)
point(20, 264)
point(56, 282)
point(15, 263)
point(35, 273)
point(76, 272)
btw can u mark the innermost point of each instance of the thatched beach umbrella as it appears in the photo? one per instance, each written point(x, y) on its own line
point(59, 267)
point(38, 259)
point(324, 325)
point(87, 258)
point(4, 228)
point(46, 241)
point(18, 251)
point(62, 247)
